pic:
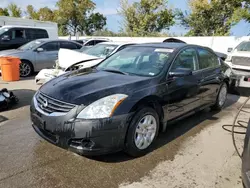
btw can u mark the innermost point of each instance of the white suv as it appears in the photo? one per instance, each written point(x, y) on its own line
point(239, 60)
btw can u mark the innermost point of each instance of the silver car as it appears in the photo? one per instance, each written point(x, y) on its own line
point(39, 54)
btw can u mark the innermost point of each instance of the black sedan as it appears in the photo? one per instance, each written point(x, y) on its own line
point(123, 103)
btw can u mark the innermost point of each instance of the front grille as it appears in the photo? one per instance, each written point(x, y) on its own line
point(244, 61)
point(50, 105)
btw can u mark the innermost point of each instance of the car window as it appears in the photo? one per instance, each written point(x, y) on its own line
point(41, 33)
point(130, 60)
point(101, 50)
point(244, 46)
point(17, 34)
point(186, 59)
point(68, 45)
point(90, 43)
point(207, 59)
point(98, 41)
point(51, 46)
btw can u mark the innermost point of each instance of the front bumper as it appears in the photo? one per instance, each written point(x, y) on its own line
point(85, 137)
point(240, 78)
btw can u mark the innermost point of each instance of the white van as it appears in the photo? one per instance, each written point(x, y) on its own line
point(15, 32)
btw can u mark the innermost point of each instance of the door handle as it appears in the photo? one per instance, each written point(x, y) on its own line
point(170, 79)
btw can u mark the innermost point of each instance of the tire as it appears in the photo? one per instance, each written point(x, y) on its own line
point(26, 68)
point(140, 149)
point(221, 98)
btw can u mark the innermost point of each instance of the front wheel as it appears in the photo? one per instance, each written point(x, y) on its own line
point(26, 69)
point(142, 132)
point(221, 98)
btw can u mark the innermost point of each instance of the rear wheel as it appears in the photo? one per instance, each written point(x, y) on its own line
point(26, 68)
point(142, 132)
point(221, 98)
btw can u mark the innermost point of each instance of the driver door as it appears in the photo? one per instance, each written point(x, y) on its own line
point(47, 57)
point(184, 91)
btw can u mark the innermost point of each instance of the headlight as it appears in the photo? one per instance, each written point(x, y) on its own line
point(229, 58)
point(102, 108)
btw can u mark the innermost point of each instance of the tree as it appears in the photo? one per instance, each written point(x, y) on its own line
point(75, 15)
point(15, 11)
point(46, 14)
point(31, 13)
point(211, 17)
point(95, 22)
point(4, 12)
point(146, 16)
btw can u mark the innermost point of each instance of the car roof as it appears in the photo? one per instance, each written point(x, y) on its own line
point(20, 26)
point(117, 43)
point(55, 40)
point(170, 45)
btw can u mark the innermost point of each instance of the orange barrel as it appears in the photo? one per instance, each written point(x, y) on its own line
point(10, 68)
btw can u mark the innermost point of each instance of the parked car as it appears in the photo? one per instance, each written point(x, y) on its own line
point(245, 171)
point(12, 37)
point(71, 60)
point(125, 101)
point(39, 54)
point(90, 42)
point(238, 59)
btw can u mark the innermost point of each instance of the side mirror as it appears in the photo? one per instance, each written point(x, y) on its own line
point(6, 38)
point(180, 72)
point(39, 50)
point(229, 50)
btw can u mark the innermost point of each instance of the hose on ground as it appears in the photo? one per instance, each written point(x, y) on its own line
point(240, 124)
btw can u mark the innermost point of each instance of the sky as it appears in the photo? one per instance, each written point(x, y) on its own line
point(109, 9)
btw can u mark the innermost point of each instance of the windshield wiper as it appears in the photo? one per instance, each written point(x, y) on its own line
point(115, 71)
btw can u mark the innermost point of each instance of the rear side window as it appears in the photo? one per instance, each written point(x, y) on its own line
point(70, 45)
point(41, 33)
point(99, 41)
point(207, 59)
point(90, 43)
point(50, 46)
point(33, 34)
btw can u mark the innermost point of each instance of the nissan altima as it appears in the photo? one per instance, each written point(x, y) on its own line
point(124, 102)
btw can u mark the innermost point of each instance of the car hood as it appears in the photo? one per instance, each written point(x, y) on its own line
point(67, 57)
point(88, 85)
point(12, 52)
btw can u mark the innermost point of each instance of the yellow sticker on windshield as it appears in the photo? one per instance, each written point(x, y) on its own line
point(164, 50)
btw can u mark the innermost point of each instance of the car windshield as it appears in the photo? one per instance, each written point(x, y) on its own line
point(101, 50)
point(142, 61)
point(3, 30)
point(31, 45)
point(244, 46)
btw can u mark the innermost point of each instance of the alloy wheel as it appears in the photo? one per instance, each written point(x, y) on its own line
point(25, 69)
point(145, 132)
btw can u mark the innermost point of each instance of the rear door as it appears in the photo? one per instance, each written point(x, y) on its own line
point(184, 92)
point(47, 58)
point(209, 65)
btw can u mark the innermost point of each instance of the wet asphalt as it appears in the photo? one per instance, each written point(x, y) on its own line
point(26, 160)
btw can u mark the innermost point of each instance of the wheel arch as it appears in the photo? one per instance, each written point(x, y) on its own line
point(28, 61)
point(152, 101)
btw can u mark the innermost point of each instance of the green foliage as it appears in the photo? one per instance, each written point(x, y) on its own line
point(146, 17)
point(95, 22)
point(78, 16)
point(14, 10)
point(211, 18)
point(4, 12)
